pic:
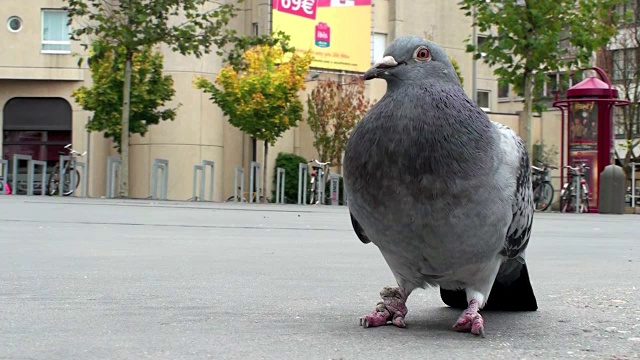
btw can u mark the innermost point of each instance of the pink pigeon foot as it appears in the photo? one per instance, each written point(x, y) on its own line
point(471, 320)
point(391, 308)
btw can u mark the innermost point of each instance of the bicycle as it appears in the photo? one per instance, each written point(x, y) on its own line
point(317, 173)
point(4, 184)
point(54, 179)
point(568, 194)
point(543, 191)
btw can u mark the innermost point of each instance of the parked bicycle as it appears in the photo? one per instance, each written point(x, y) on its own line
point(317, 173)
point(569, 194)
point(542, 189)
point(628, 195)
point(54, 179)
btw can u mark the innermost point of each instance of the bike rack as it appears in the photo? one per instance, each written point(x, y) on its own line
point(303, 172)
point(334, 182)
point(5, 174)
point(61, 162)
point(254, 175)
point(236, 171)
point(163, 165)
point(320, 185)
point(202, 169)
point(113, 167)
point(14, 172)
point(633, 185)
point(31, 169)
point(280, 173)
point(83, 176)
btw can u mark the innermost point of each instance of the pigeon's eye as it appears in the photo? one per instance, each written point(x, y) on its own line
point(422, 53)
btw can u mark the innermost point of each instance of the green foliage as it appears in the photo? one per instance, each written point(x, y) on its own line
point(456, 67)
point(290, 163)
point(262, 99)
point(545, 154)
point(150, 90)
point(540, 37)
point(136, 24)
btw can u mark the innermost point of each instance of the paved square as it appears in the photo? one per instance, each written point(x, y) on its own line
point(111, 279)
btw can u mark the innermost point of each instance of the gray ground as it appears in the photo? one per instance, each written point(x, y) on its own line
point(103, 279)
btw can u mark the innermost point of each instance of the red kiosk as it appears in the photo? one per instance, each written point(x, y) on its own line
point(589, 105)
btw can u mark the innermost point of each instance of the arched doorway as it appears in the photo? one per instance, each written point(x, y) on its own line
point(36, 126)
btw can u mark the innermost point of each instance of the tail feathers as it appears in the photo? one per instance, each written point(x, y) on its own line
point(509, 293)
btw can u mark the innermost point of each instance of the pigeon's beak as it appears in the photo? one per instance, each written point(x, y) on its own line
point(381, 66)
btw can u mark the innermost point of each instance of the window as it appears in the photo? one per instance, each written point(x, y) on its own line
point(503, 90)
point(14, 24)
point(55, 32)
point(379, 45)
point(483, 99)
point(480, 39)
point(255, 29)
point(624, 64)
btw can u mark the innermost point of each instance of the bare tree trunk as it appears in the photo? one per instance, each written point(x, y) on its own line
point(528, 113)
point(124, 136)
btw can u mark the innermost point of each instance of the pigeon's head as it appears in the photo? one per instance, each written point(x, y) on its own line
point(413, 59)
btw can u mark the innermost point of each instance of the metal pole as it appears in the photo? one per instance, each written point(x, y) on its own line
point(302, 183)
point(474, 66)
point(577, 192)
point(196, 168)
point(633, 185)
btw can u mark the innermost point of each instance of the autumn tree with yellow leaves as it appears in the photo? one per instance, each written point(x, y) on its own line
point(261, 98)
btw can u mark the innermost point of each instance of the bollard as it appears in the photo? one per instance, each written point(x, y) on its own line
point(236, 186)
point(163, 166)
point(31, 169)
point(113, 168)
point(5, 175)
point(303, 171)
point(14, 181)
point(612, 190)
point(633, 185)
point(254, 186)
point(280, 199)
point(334, 182)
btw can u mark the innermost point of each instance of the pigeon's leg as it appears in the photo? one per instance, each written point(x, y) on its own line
point(477, 297)
point(391, 308)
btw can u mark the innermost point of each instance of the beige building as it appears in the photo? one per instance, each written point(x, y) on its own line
point(38, 73)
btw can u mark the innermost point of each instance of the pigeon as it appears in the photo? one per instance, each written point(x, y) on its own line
point(442, 191)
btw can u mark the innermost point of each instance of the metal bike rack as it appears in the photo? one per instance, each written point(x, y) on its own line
point(162, 165)
point(633, 184)
point(254, 175)
point(83, 176)
point(113, 168)
point(238, 170)
point(31, 169)
point(320, 186)
point(578, 191)
point(14, 172)
point(202, 168)
point(334, 183)
point(344, 194)
point(303, 171)
point(5, 174)
point(62, 162)
point(280, 173)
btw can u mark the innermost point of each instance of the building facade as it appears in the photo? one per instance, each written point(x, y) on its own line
point(39, 73)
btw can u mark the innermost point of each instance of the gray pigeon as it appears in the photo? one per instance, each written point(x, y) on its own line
point(441, 190)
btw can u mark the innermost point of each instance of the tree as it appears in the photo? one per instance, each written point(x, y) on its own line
point(621, 59)
point(261, 97)
point(186, 26)
point(150, 90)
point(333, 110)
point(525, 40)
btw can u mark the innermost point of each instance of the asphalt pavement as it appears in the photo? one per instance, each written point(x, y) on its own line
point(115, 279)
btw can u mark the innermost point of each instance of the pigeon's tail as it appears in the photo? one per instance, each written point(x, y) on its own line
point(511, 291)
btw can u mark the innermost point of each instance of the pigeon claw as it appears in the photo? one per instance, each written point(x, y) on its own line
point(471, 321)
point(391, 308)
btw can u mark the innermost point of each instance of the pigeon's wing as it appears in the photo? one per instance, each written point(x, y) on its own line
point(512, 290)
point(359, 230)
point(519, 230)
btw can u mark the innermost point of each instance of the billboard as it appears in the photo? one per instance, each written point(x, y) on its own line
point(337, 32)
